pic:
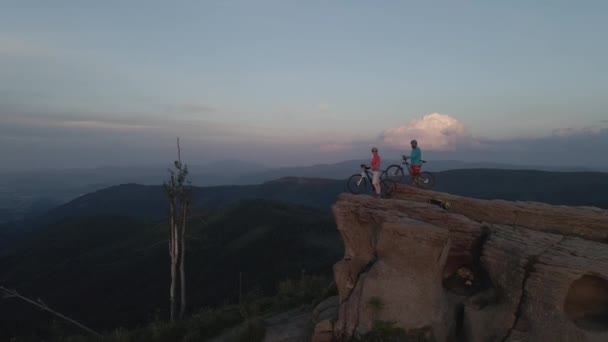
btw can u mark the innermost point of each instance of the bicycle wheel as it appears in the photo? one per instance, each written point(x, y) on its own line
point(394, 173)
point(425, 180)
point(388, 187)
point(357, 184)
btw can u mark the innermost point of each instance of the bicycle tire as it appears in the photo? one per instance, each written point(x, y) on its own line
point(387, 187)
point(430, 183)
point(425, 180)
point(357, 184)
point(394, 173)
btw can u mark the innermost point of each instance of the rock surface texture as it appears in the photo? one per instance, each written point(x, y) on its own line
point(484, 270)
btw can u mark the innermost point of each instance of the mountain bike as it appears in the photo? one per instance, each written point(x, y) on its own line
point(425, 180)
point(361, 183)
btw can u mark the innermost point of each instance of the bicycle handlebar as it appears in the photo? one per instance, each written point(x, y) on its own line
point(406, 158)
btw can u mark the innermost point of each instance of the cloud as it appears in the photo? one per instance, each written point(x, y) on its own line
point(331, 148)
point(439, 132)
point(94, 121)
point(191, 108)
point(574, 131)
point(102, 125)
point(139, 128)
point(94, 138)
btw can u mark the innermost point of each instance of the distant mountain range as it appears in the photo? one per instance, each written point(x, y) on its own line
point(29, 193)
point(149, 201)
point(342, 170)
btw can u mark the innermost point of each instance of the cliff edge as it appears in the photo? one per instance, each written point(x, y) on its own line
point(481, 270)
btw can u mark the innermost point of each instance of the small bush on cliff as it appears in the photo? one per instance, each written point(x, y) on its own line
point(252, 330)
point(307, 290)
point(376, 304)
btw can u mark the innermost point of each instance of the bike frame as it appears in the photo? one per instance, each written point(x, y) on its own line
point(407, 166)
point(386, 185)
point(364, 173)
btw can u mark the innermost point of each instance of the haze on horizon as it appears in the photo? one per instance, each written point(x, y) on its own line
point(86, 84)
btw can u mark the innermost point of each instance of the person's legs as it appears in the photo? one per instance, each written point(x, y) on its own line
point(376, 182)
point(415, 171)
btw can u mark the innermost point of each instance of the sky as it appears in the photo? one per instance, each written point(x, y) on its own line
point(95, 83)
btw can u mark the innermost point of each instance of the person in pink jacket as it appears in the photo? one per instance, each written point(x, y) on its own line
point(375, 166)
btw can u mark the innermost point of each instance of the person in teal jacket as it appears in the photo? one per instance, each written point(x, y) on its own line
point(415, 158)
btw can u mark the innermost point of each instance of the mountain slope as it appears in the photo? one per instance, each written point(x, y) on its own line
point(568, 188)
point(29, 192)
point(112, 271)
point(150, 202)
point(563, 188)
point(139, 201)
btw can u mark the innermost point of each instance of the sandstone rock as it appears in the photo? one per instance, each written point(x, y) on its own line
point(585, 222)
point(480, 271)
point(534, 272)
point(358, 212)
point(405, 281)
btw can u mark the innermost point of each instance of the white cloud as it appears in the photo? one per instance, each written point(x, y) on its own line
point(435, 131)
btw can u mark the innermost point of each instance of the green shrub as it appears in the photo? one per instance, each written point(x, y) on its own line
point(307, 290)
point(243, 323)
point(253, 330)
point(376, 304)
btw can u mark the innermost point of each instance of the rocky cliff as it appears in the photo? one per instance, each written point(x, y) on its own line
point(479, 270)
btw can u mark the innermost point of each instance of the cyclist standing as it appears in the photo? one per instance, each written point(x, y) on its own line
point(375, 165)
point(416, 158)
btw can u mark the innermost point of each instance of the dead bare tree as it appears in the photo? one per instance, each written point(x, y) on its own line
point(185, 199)
point(9, 293)
point(179, 195)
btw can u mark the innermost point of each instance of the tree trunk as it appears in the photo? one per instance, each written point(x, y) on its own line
point(182, 267)
point(179, 202)
point(172, 291)
point(172, 254)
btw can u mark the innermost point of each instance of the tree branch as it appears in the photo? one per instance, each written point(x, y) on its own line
point(8, 293)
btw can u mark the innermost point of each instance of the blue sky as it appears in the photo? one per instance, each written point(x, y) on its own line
point(285, 82)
